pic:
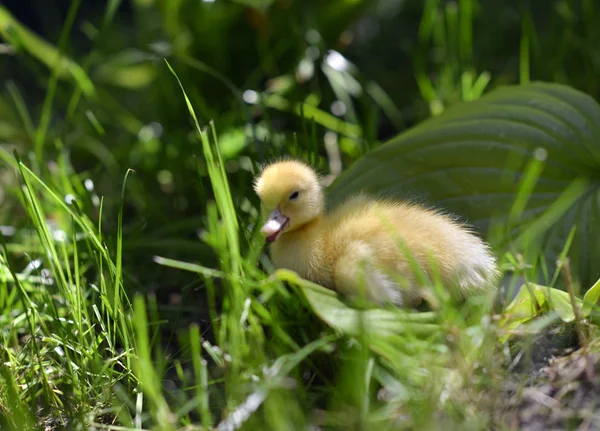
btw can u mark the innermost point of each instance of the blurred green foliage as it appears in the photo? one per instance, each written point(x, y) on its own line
point(409, 57)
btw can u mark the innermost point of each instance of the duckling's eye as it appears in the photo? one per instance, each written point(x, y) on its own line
point(294, 196)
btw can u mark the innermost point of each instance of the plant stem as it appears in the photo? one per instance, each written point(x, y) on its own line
point(566, 270)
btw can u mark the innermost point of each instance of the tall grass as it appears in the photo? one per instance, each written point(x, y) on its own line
point(115, 313)
point(78, 343)
point(269, 366)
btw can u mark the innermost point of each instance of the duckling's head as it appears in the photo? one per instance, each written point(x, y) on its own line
point(291, 196)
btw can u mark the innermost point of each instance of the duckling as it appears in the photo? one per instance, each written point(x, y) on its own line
point(367, 245)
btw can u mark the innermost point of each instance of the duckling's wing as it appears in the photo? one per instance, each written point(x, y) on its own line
point(352, 207)
point(358, 273)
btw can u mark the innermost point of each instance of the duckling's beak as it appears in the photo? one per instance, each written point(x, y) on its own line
point(274, 226)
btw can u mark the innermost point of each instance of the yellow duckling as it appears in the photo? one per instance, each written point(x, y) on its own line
point(366, 244)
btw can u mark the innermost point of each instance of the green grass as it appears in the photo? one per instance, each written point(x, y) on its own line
point(135, 291)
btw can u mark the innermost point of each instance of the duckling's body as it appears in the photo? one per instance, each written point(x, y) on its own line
point(367, 242)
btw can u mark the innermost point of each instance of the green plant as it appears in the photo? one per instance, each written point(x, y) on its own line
point(521, 164)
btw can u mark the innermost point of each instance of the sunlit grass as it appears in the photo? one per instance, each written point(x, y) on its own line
point(89, 341)
point(80, 340)
point(90, 335)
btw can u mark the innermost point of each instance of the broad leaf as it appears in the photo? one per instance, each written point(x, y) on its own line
point(591, 297)
point(351, 321)
point(471, 159)
point(534, 300)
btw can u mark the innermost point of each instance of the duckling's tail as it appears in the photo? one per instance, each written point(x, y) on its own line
point(477, 270)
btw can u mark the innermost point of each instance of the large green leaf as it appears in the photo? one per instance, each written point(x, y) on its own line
point(471, 159)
